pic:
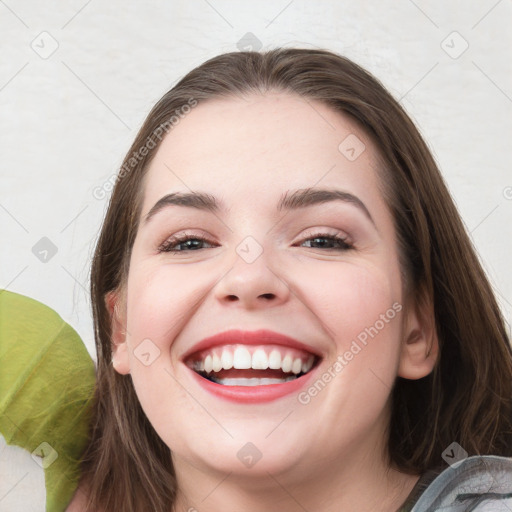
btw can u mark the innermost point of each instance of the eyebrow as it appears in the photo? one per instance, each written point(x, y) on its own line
point(297, 199)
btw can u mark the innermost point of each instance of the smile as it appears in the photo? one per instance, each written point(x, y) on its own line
point(242, 365)
point(251, 366)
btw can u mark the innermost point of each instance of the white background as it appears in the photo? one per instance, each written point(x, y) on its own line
point(67, 119)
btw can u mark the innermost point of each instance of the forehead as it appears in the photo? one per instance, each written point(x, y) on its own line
point(259, 146)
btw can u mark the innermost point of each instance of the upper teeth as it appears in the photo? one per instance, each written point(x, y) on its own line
point(240, 357)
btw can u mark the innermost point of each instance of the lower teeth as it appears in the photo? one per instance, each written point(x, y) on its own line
point(251, 381)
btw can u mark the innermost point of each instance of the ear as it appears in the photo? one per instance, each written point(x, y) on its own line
point(420, 345)
point(116, 309)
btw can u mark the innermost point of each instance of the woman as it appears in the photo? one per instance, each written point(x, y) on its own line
point(289, 314)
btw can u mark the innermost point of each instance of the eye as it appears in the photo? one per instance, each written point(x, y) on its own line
point(321, 238)
point(186, 242)
point(190, 243)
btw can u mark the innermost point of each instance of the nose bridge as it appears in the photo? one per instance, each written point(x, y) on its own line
point(254, 277)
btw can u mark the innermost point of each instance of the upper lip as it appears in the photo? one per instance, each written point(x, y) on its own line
point(259, 337)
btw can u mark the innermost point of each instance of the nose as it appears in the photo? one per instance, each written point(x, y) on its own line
point(253, 285)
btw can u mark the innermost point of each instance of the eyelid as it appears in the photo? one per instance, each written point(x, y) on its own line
point(328, 233)
point(324, 231)
point(181, 236)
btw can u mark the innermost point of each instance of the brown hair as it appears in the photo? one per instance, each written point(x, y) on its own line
point(466, 398)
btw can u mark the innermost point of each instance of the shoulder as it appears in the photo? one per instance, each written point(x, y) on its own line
point(475, 483)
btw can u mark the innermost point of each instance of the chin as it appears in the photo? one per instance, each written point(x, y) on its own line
point(245, 456)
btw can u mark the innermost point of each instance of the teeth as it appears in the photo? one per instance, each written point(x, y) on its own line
point(242, 359)
point(297, 366)
point(274, 360)
point(287, 363)
point(217, 364)
point(259, 360)
point(308, 364)
point(250, 382)
point(227, 359)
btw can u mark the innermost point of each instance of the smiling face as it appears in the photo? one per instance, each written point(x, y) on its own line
point(263, 249)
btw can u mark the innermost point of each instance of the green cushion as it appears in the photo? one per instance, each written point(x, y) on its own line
point(47, 381)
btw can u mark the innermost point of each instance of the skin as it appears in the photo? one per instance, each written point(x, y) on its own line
point(327, 455)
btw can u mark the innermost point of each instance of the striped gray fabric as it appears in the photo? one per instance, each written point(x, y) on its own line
point(477, 483)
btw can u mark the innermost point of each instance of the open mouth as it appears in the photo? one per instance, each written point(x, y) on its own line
point(249, 365)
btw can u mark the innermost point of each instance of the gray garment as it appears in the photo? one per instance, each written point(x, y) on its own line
point(481, 483)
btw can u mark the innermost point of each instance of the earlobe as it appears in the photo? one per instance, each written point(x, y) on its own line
point(120, 359)
point(420, 345)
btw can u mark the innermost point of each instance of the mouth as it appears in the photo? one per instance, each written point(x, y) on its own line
point(250, 366)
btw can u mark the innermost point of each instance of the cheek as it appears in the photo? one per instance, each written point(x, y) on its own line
point(161, 299)
point(359, 305)
point(352, 303)
point(347, 299)
point(160, 303)
point(350, 297)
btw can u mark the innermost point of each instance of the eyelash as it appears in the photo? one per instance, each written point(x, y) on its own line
point(171, 242)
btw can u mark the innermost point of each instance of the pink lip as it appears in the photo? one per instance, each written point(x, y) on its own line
point(260, 337)
point(251, 394)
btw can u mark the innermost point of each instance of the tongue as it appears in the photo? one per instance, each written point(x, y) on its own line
point(250, 373)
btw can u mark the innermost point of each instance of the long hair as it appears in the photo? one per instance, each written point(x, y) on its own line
point(466, 398)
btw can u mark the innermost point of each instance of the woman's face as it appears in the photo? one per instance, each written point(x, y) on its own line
point(252, 265)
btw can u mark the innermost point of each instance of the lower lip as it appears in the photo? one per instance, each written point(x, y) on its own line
point(252, 394)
